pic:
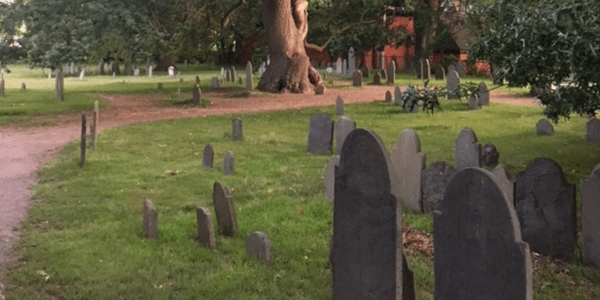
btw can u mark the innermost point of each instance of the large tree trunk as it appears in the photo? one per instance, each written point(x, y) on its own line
point(286, 26)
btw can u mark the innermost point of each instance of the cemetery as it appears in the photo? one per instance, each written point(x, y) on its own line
point(218, 179)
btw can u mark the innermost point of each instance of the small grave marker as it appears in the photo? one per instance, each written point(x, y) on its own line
point(208, 156)
point(473, 102)
point(467, 150)
point(228, 163)
point(544, 127)
point(196, 95)
point(489, 155)
point(435, 180)
point(320, 135)
point(258, 246)
point(150, 220)
point(388, 96)
point(357, 78)
point(339, 106)
point(391, 73)
point(206, 235)
point(320, 89)
point(397, 96)
point(484, 94)
point(377, 78)
point(224, 209)
point(215, 83)
point(237, 131)
point(365, 71)
point(452, 83)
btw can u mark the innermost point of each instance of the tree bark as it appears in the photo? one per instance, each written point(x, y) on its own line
point(286, 26)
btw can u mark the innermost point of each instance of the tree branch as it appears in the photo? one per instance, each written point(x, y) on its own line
point(229, 14)
point(322, 47)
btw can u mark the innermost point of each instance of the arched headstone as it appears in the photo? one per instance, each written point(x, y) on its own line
point(467, 150)
point(228, 163)
point(397, 96)
point(339, 106)
point(408, 163)
point(452, 82)
point(208, 156)
point(544, 127)
point(388, 96)
point(237, 131)
point(484, 94)
point(258, 246)
point(206, 234)
point(320, 135)
point(434, 181)
point(357, 78)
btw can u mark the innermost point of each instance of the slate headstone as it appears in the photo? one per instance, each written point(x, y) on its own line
point(452, 82)
point(478, 250)
point(408, 163)
point(150, 220)
point(590, 220)
point(224, 209)
point(484, 94)
point(434, 180)
point(351, 61)
point(391, 72)
point(377, 78)
point(320, 135)
point(506, 182)
point(367, 254)
point(544, 127)
point(259, 246)
point(249, 76)
point(237, 131)
point(545, 204)
point(357, 78)
point(228, 163)
point(489, 155)
point(473, 102)
point(196, 95)
point(439, 72)
point(460, 68)
point(208, 156)
point(338, 65)
point(333, 164)
point(339, 106)
point(365, 71)
point(206, 233)
point(388, 96)
point(343, 127)
point(593, 131)
point(397, 96)
point(467, 150)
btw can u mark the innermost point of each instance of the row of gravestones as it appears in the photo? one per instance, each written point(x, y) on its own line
point(423, 70)
point(258, 244)
point(479, 253)
point(544, 127)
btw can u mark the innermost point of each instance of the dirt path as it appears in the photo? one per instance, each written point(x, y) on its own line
point(24, 150)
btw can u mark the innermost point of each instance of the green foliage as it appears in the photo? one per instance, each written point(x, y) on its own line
point(552, 45)
point(427, 98)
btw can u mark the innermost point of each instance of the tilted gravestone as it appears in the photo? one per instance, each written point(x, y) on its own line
point(339, 106)
point(408, 163)
point(330, 170)
point(365, 71)
point(228, 163)
point(377, 78)
point(150, 220)
point(467, 150)
point(397, 96)
point(351, 61)
point(367, 255)
point(320, 135)
point(452, 82)
point(343, 127)
point(484, 94)
point(224, 209)
point(593, 131)
point(357, 78)
point(590, 222)
point(259, 246)
point(237, 131)
point(434, 180)
point(388, 96)
point(545, 204)
point(249, 76)
point(544, 127)
point(391, 72)
point(506, 182)
point(478, 249)
point(460, 68)
point(489, 155)
point(208, 156)
point(439, 72)
point(196, 95)
point(206, 233)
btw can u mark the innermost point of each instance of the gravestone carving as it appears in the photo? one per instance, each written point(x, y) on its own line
point(237, 131)
point(208, 156)
point(434, 180)
point(320, 135)
point(544, 127)
point(408, 164)
point(343, 127)
point(258, 246)
point(224, 209)
point(206, 234)
point(467, 150)
point(228, 163)
point(150, 220)
point(590, 220)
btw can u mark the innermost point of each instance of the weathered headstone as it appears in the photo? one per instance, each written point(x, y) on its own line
point(545, 204)
point(434, 181)
point(489, 155)
point(320, 135)
point(344, 66)
point(452, 82)
point(339, 106)
point(590, 220)
point(208, 156)
point(228, 163)
point(506, 182)
point(357, 78)
point(237, 130)
point(367, 255)
point(397, 96)
point(196, 95)
point(259, 246)
point(233, 74)
point(320, 89)
point(136, 72)
point(365, 71)
point(333, 164)
point(249, 76)
point(343, 127)
point(473, 102)
point(460, 68)
point(338, 65)
point(408, 164)
point(377, 78)
point(467, 150)
point(82, 143)
point(351, 61)
point(593, 131)
point(478, 250)
point(391, 72)
point(388, 96)
point(484, 94)
point(82, 74)
point(544, 127)
point(215, 83)
point(439, 72)
point(150, 220)
point(224, 209)
point(206, 233)
point(150, 71)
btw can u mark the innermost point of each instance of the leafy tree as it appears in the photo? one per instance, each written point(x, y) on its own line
point(552, 45)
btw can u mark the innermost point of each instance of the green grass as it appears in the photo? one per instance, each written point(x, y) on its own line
point(82, 235)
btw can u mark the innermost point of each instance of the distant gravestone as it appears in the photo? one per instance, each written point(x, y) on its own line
point(365, 71)
point(439, 72)
point(228, 163)
point(249, 76)
point(206, 234)
point(224, 210)
point(506, 182)
point(367, 256)
point(473, 102)
point(478, 250)
point(237, 130)
point(208, 156)
point(484, 94)
point(339, 106)
point(233, 74)
point(593, 131)
point(489, 155)
point(377, 78)
point(320, 89)
point(460, 68)
point(467, 150)
point(408, 163)
point(434, 180)
point(136, 72)
point(544, 127)
point(223, 72)
point(196, 93)
point(82, 75)
point(333, 164)
point(351, 61)
point(150, 71)
point(545, 204)
point(388, 96)
point(397, 96)
point(391, 72)
point(590, 222)
point(343, 127)
point(338, 65)
point(452, 83)
point(357, 78)
point(344, 66)
point(215, 83)
point(150, 220)
point(259, 247)
point(320, 135)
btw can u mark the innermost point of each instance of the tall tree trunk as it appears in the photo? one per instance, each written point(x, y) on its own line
point(286, 26)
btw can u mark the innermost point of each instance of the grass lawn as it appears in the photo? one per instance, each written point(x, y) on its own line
point(82, 238)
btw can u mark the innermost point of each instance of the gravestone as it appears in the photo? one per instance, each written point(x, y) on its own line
point(237, 130)
point(224, 210)
point(259, 247)
point(590, 220)
point(381, 60)
point(338, 65)
point(228, 163)
point(489, 155)
point(506, 182)
point(484, 94)
point(439, 72)
point(150, 220)
point(82, 143)
point(351, 61)
point(544, 127)
point(452, 83)
point(344, 66)
point(357, 78)
point(434, 181)
point(467, 150)
point(365, 71)
point(460, 69)
point(249, 76)
point(391, 72)
point(593, 131)
point(233, 74)
point(320, 135)
point(330, 170)
point(206, 233)
point(136, 72)
point(397, 96)
point(339, 106)
point(478, 250)
point(388, 96)
point(377, 78)
point(343, 127)
point(367, 256)
point(150, 71)
point(82, 75)
point(208, 156)
point(473, 102)
point(408, 164)
point(320, 89)
point(545, 204)
point(215, 83)
point(196, 93)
